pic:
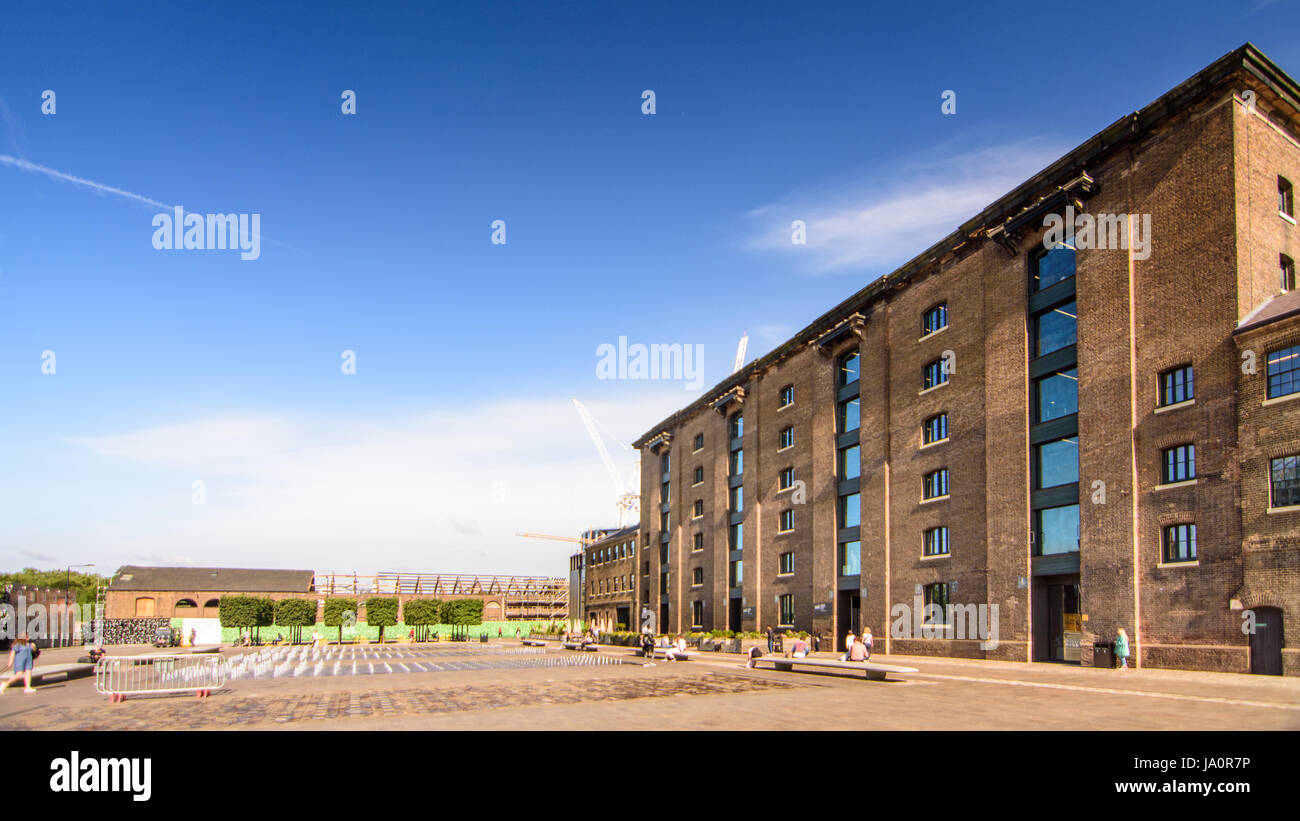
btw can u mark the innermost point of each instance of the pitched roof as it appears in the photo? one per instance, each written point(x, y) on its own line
point(1279, 307)
point(223, 579)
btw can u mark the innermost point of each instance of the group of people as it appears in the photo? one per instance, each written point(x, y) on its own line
point(672, 649)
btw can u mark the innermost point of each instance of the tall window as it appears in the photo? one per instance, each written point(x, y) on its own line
point(663, 582)
point(665, 521)
point(737, 465)
point(666, 462)
point(1056, 395)
point(787, 521)
point(697, 542)
point(699, 441)
point(1056, 530)
point(736, 499)
point(1284, 372)
point(736, 537)
point(935, 484)
point(935, 319)
point(1286, 268)
point(936, 603)
point(935, 542)
point(786, 478)
point(698, 510)
point(848, 370)
point(1285, 199)
point(850, 511)
point(699, 474)
point(933, 374)
point(736, 575)
point(697, 577)
point(787, 438)
point(736, 428)
point(848, 416)
point(787, 610)
point(787, 396)
point(1056, 265)
point(1055, 328)
point(1057, 462)
point(850, 558)
point(1180, 543)
point(849, 462)
point(1176, 385)
point(1178, 464)
point(697, 614)
point(934, 429)
point(1284, 481)
point(787, 563)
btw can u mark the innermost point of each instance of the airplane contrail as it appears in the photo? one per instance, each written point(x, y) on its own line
point(14, 162)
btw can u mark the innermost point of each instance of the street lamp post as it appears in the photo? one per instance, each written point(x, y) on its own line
point(65, 628)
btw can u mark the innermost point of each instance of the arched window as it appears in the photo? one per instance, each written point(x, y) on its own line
point(184, 604)
point(212, 603)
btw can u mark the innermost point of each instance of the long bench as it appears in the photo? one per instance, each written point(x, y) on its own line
point(59, 672)
point(874, 672)
point(534, 643)
point(662, 653)
point(576, 645)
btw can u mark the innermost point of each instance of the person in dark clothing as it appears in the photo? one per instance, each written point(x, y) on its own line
point(771, 639)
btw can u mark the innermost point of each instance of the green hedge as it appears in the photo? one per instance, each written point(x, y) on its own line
point(401, 629)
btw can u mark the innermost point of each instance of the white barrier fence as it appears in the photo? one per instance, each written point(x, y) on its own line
point(123, 676)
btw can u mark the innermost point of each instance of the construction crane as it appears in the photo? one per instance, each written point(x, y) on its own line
point(583, 542)
point(627, 502)
point(740, 352)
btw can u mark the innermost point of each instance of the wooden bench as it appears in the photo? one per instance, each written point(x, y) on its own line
point(577, 645)
point(534, 643)
point(874, 672)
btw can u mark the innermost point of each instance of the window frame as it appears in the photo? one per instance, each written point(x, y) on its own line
point(925, 428)
point(1291, 375)
point(1165, 386)
point(1170, 464)
point(1294, 458)
point(786, 398)
point(1189, 529)
point(931, 550)
point(926, 484)
point(940, 311)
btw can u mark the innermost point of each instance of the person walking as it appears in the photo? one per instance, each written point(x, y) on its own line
point(817, 642)
point(868, 640)
point(21, 658)
point(771, 639)
point(1121, 649)
point(848, 645)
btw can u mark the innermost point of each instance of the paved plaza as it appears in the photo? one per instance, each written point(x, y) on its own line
point(493, 687)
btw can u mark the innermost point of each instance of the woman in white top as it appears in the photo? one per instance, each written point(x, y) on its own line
point(848, 646)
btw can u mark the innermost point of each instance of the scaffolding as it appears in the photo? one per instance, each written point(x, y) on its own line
point(525, 597)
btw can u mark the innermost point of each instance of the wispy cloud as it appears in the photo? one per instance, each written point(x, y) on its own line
point(15, 162)
point(444, 490)
point(877, 223)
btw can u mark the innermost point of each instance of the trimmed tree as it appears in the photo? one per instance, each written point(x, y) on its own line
point(264, 613)
point(381, 613)
point(237, 611)
point(421, 614)
point(295, 614)
point(340, 613)
point(462, 611)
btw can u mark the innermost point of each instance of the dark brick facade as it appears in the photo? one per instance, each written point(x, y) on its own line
point(1204, 165)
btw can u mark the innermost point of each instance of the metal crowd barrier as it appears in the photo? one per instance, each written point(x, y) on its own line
point(122, 676)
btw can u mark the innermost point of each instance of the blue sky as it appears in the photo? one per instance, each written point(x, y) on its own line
point(457, 428)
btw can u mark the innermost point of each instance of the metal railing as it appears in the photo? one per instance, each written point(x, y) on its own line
point(122, 676)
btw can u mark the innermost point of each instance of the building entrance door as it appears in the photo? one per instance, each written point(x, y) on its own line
point(624, 617)
point(1064, 622)
point(1266, 642)
point(849, 612)
point(734, 613)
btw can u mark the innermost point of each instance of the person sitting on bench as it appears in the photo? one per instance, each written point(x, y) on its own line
point(678, 648)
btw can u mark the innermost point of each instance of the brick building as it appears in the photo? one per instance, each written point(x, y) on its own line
point(1050, 429)
point(195, 592)
point(608, 591)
